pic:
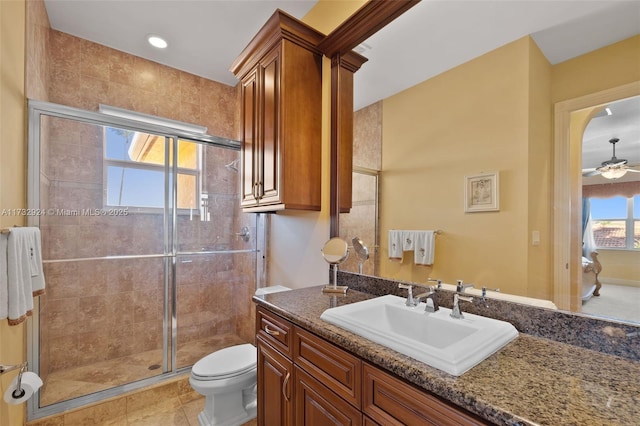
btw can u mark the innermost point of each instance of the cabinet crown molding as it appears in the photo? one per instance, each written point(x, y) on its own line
point(280, 26)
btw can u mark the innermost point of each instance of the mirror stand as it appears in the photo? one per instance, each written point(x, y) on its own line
point(335, 251)
point(335, 288)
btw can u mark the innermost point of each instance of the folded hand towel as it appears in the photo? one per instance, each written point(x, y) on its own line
point(25, 278)
point(424, 251)
point(408, 240)
point(395, 244)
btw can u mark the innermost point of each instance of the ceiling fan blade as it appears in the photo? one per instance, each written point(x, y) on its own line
point(588, 173)
point(633, 170)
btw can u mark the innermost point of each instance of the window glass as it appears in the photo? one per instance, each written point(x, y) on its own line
point(608, 208)
point(134, 163)
point(610, 233)
point(636, 207)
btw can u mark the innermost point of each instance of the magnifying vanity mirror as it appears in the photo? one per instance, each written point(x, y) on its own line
point(361, 250)
point(334, 252)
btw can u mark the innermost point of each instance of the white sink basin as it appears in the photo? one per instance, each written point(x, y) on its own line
point(451, 345)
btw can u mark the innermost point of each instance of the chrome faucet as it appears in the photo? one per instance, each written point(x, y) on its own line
point(438, 282)
point(431, 294)
point(455, 311)
point(411, 302)
point(484, 294)
point(460, 288)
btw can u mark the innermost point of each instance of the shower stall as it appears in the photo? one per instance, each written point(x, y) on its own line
point(149, 262)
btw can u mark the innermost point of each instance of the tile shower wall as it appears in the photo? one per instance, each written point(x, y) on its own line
point(122, 299)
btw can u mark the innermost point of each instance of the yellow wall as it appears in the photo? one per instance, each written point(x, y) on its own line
point(472, 119)
point(620, 267)
point(492, 113)
point(611, 66)
point(12, 171)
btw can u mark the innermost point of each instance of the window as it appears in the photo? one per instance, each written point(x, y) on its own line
point(616, 222)
point(135, 170)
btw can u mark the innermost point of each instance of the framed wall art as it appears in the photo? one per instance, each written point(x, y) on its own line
point(481, 193)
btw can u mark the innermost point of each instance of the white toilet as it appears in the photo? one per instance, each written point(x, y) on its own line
point(227, 378)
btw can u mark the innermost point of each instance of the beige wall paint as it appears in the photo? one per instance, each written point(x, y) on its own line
point(12, 171)
point(504, 101)
point(469, 120)
point(611, 66)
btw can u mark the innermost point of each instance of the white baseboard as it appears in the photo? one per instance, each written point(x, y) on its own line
point(618, 281)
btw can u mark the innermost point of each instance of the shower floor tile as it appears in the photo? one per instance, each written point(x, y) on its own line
point(79, 381)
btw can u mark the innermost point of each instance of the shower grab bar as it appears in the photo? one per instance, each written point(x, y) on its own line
point(150, 256)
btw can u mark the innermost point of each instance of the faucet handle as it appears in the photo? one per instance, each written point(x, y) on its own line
point(485, 289)
point(410, 301)
point(439, 282)
point(460, 287)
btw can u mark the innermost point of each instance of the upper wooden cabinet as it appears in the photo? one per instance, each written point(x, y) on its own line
point(281, 75)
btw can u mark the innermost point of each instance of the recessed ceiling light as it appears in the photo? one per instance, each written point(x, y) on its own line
point(156, 41)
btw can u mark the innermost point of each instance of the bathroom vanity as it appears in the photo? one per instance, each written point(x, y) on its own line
point(312, 372)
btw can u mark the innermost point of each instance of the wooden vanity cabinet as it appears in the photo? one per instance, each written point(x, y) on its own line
point(275, 386)
point(281, 107)
point(388, 400)
point(306, 380)
point(275, 369)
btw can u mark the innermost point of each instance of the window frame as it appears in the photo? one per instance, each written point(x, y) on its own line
point(128, 164)
point(629, 222)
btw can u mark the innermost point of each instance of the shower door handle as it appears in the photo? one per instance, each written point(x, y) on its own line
point(284, 386)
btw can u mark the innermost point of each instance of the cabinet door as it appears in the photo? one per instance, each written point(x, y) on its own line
point(250, 147)
point(316, 405)
point(389, 401)
point(269, 182)
point(275, 387)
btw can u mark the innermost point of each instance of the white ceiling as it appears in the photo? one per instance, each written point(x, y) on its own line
point(205, 36)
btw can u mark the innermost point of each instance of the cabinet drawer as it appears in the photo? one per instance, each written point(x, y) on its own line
point(274, 330)
point(318, 406)
point(337, 369)
point(390, 401)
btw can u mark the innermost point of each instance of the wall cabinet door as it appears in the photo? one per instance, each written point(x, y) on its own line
point(269, 178)
point(275, 387)
point(281, 72)
point(250, 152)
point(316, 405)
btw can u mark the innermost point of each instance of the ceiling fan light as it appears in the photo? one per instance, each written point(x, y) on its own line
point(614, 173)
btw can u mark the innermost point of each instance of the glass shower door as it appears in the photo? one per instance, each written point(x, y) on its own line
point(215, 259)
point(103, 230)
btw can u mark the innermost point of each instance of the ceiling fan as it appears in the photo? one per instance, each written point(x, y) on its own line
point(611, 169)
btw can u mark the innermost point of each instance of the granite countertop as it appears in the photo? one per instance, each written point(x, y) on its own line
point(531, 381)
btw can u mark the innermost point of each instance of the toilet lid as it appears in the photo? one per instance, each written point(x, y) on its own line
point(227, 362)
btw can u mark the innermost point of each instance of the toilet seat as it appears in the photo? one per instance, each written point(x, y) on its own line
point(225, 363)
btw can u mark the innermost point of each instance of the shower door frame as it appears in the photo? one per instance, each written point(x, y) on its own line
point(37, 109)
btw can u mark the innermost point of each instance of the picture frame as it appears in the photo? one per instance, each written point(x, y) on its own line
point(482, 193)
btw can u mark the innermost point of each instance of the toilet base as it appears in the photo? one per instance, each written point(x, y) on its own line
point(232, 409)
point(236, 421)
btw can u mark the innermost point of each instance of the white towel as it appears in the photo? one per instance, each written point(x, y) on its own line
point(424, 251)
point(4, 289)
point(408, 240)
point(25, 278)
point(395, 244)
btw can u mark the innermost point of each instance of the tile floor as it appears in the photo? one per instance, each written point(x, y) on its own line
point(74, 382)
point(169, 403)
point(172, 403)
